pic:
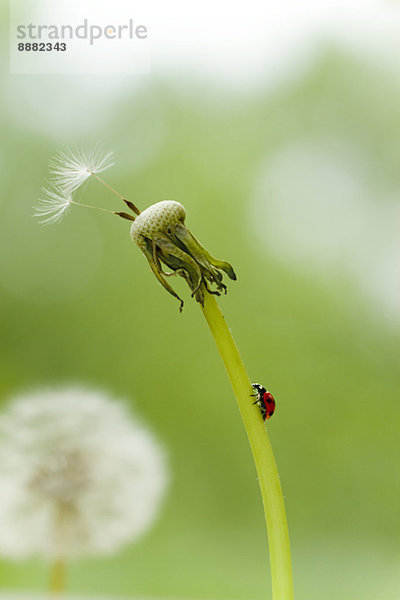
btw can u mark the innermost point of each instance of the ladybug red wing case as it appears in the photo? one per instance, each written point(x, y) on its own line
point(269, 403)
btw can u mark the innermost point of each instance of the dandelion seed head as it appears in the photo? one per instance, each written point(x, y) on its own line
point(53, 205)
point(161, 234)
point(78, 475)
point(70, 168)
point(157, 218)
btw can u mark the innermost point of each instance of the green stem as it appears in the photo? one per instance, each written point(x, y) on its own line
point(268, 476)
point(57, 579)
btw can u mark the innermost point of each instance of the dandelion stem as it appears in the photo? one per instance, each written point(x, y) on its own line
point(92, 206)
point(268, 476)
point(113, 212)
point(57, 578)
point(136, 210)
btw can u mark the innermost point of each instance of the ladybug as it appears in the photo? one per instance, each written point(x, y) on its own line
point(265, 401)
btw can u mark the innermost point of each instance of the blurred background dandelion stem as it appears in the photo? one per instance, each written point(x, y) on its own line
point(57, 578)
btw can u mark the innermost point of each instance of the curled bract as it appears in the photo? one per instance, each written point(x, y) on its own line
point(161, 234)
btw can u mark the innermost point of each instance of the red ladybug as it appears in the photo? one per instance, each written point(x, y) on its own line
point(265, 401)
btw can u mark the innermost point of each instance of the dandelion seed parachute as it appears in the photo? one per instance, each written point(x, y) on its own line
point(78, 475)
point(69, 169)
point(53, 206)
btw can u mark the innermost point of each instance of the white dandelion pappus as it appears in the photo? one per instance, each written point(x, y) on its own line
point(78, 475)
point(53, 206)
point(69, 169)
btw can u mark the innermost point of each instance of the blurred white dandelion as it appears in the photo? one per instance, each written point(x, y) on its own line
point(69, 169)
point(78, 475)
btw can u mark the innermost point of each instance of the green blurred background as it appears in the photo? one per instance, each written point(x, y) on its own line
point(314, 312)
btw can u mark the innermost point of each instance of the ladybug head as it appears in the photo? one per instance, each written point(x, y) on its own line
point(257, 387)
